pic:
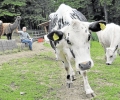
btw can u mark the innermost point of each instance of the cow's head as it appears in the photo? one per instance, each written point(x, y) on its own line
point(111, 54)
point(77, 37)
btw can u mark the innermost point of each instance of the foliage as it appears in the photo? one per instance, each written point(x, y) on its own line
point(34, 12)
point(12, 5)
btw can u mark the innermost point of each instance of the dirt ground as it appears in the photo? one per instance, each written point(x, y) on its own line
point(76, 92)
point(37, 47)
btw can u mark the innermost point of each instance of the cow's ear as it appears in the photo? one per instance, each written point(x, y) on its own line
point(97, 26)
point(55, 35)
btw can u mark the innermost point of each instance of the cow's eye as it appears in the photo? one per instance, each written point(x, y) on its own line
point(111, 56)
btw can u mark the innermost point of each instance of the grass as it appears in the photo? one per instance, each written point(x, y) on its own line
point(104, 79)
point(29, 78)
point(3, 37)
point(94, 37)
point(37, 78)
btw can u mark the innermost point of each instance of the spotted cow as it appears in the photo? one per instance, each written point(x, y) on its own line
point(71, 39)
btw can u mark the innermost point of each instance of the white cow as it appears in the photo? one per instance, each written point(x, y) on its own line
point(110, 40)
point(61, 18)
point(71, 40)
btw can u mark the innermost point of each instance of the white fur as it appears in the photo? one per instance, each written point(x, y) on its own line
point(79, 38)
point(77, 32)
point(110, 38)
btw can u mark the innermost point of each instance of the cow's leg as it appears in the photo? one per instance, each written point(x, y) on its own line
point(118, 51)
point(67, 65)
point(70, 73)
point(56, 55)
point(53, 45)
point(104, 50)
point(87, 87)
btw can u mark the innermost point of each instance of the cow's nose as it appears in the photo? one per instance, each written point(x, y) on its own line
point(108, 64)
point(85, 65)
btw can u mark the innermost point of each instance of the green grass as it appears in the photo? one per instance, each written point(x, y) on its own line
point(3, 37)
point(38, 77)
point(94, 37)
point(32, 76)
point(104, 79)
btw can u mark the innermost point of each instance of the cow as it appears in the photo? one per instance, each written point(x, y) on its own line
point(58, 20)
point(71, 40)
point(109, 38)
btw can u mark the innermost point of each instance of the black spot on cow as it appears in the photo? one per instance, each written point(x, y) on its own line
point(68, 34)
point(68, 42)
point(59, 23)
point(85, 31)
point(89, 36)
point(68, 77)
point(62, 21)
point(72, 53)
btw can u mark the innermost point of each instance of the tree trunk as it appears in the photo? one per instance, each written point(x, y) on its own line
point(105, 12)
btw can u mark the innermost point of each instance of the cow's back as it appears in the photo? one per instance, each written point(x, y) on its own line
point(109, 34)
point(63, 16)
point(69, 13)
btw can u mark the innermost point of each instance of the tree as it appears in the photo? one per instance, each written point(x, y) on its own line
point(9, 9)
point(34, 12)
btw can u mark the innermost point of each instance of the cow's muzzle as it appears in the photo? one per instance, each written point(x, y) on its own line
point(85, 65)
point(108, 64)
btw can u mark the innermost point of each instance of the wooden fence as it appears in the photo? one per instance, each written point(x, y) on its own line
point(38, 34)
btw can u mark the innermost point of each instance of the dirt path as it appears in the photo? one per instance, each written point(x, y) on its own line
point(37, 47)
point(76, 92)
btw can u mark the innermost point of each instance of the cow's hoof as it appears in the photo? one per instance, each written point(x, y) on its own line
point(91, 95)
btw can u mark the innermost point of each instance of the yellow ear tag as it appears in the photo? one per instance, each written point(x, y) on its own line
point(102, 26)
point(55, 37)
